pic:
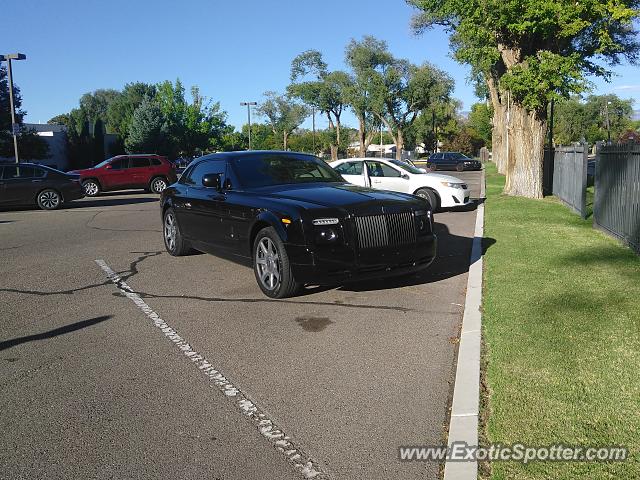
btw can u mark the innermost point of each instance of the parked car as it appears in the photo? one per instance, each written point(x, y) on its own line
point(296, 220)
point(452, 161)
point(442, 191)
point(30, 184)
point(151, 172)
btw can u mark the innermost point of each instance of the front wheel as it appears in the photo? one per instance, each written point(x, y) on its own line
point(174, 242)
point(271, 265)
point(431, 196)
point(433, 167)
point(49, 200)
point(460, 167)
point(158, 185)
point(91, 188)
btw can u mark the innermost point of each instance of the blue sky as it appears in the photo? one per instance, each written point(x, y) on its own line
point(234, 51)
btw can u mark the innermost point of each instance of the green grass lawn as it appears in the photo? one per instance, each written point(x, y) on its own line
point(561, 333)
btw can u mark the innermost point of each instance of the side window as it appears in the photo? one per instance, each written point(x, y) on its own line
point(39, 172)
point(120, 163)
point(377, 169)
point(155, 162)
point(13, 172)
point(138, 162)
point(349, 168)
point(208, 166)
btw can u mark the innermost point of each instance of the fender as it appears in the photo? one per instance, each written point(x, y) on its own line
point(271, 219)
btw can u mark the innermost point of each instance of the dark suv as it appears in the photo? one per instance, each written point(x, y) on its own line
point(452, 161)
point(151, 172)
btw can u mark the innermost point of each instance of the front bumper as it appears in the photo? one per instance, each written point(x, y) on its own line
point(345, 265)
point(456, 197)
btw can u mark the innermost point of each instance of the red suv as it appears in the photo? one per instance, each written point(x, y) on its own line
point(151, 172)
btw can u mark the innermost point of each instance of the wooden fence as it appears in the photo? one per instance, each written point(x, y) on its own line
point(570, 177)
point(616, 206)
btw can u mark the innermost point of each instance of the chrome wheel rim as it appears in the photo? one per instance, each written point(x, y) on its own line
point(159, 185)
point(170, 231)
point(268, 264)
point(90, 188)
point(49, 199)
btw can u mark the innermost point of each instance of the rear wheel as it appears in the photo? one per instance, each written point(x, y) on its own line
point(49, 199)
point(460, 167)
point(91, 188)
point(174, 242)
point(158, 184)
point(271, 265)
point(431, 196)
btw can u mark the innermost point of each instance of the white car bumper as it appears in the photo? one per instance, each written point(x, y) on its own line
point(455, 197)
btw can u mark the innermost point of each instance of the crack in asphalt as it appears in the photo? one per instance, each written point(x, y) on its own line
point(104, 229)
point(133, 271)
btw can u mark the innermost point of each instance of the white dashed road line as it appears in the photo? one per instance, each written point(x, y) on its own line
point(284, 444)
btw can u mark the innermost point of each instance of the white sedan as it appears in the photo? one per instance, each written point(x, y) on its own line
point(442, 191)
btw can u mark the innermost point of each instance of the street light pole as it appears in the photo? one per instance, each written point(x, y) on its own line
point(14, 125)
point(606, 109)
point(313, 123)
point(249, 105)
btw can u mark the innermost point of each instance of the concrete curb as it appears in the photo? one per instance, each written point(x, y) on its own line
point(463, 426)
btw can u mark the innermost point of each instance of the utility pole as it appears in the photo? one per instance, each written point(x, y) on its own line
point(606, 111)
point(14, 126)
point(313, 123)
point(249, 105)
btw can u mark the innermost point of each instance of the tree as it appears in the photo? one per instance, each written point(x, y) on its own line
point(283, 114)
point(322, 90)
point(30, 145)
point(148, 131)
point(96, 104)
point(120, 110)
point(398, 90)
point(98, 141)
point(577, 120)
point(480, 122)
point(361, 57)
point(529, 52)
point(466, 140)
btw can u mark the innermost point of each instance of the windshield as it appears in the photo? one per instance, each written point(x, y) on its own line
point(103, 163)
point(262, 170)
point(460, 156)
point(406, 166)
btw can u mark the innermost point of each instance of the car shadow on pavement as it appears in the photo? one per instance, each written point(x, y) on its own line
point(53, 333)
point(452, 259)
point(109, 202)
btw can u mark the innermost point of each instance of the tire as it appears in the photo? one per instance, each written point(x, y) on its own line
point(174, 242)
point(91, 188)
point(433, 167)
point(158, 184)
point(49, 199)
point(431, 196)
point(460, 167)
point(271, 266)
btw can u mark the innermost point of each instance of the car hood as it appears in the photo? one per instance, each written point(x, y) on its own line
point(437, 177)
point(333, 195)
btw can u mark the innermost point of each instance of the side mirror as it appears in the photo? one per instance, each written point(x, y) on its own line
point(108, 166)
point(212, 180)
point(405, 176)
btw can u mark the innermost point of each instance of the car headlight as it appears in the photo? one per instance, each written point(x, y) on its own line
point(423, 222)
point(326, 221)
point(452, 184)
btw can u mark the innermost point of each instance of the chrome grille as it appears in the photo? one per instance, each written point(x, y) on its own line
point(388, 230)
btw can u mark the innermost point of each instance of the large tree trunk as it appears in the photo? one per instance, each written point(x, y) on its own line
point(399, 141)
point(362, 136)
point(527, 135)
point(499, 125)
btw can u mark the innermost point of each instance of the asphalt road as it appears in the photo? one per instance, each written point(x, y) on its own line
point(90, 387)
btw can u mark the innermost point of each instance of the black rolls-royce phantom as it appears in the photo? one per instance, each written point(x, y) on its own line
point(296, 220)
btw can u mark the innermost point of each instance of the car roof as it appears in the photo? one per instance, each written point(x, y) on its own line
point(28, 164)
point(249, 153)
